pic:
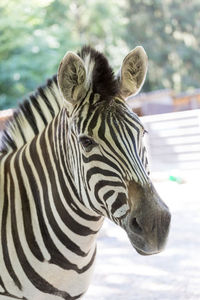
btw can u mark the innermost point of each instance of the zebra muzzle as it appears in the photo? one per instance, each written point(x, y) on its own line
point(147, 224)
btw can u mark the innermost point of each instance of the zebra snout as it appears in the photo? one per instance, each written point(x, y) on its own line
point(148, 230)
point(148, 222)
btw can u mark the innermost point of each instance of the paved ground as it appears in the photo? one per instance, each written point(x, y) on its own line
point(172, 275)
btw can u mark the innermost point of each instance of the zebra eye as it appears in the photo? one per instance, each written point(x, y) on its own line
point(87, 143)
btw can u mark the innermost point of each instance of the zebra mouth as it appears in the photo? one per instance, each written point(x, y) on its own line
point(145, 243)
point(142, 246)
point(137, 241)
point(144, 253)
point(147, 225)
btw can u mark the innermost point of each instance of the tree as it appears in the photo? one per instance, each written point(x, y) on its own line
point(35, 36)
point(169, 31)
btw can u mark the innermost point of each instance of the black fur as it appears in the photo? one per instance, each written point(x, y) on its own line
point(103, 79)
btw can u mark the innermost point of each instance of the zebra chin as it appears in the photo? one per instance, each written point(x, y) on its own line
point(143, 247)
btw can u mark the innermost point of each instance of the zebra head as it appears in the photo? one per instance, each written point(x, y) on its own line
point(106, 156)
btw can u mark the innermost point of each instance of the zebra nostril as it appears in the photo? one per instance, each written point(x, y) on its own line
point(135, 226)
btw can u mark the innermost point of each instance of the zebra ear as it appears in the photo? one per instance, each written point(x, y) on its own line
point(133, 72)
point(72, 78)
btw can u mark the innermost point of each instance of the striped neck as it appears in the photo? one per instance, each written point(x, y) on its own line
point(32, 116)
point(62, 188)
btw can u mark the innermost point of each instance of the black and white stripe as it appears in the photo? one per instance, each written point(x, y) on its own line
point(63, 168)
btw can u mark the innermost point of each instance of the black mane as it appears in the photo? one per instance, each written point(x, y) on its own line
point(26, 114)
point(24, 123)
point(103, 79)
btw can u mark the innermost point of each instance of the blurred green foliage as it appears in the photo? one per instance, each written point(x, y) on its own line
point(34, 35)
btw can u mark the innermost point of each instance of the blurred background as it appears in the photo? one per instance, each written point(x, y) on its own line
point(34, 36)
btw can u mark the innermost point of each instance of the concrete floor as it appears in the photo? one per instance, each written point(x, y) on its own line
point(174, 274)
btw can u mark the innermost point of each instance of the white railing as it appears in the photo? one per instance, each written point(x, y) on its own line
point(173, 141)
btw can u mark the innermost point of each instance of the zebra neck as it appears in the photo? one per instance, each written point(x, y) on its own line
point(62, 191)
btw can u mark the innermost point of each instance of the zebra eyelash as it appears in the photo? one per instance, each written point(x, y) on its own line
point(87, 142)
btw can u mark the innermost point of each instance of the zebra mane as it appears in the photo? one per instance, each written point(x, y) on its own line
point(103, 79)
point(31, 116)
point(40, 107)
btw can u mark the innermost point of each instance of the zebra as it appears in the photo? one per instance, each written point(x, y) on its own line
point(71, 155)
